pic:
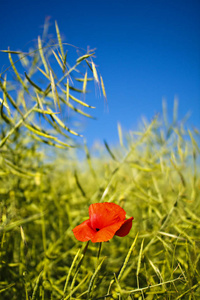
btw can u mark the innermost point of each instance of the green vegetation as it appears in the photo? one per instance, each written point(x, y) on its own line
point(45, 192)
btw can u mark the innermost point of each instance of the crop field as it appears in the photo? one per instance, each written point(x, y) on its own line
point(47, 187)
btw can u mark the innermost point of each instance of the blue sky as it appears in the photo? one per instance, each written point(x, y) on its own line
point(146, 51)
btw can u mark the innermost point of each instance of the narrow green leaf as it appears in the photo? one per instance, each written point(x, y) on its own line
point(23, 235)
point(58, 60)
point(44, 111)
point(7, 287)
point(194, 143)
point(42, 55)
point(47, 76)
point(188, 291)
point(62, 124)
point(80, 102)
point(23, 60)
point(6, 118)
point(55, 125)
point(18, 169)
point(67, 73)
point(32, 83)
point(137, 166)
point(80, 59)
point(64, 144)
point(4, 97)
point(39, 101)
point(11, 52)
point(77, 287)
point(79, 185)
point(109, 151)
point(92, 280)
point(95, 73)
point(12, 225)
point(75, 89)
point(16, 72)
point(76, 109)
point(127, 258)
point(60, 57)
point(179, 172)
point(67, 91)
point(70, 270)
point(16, 126)
point(39, 132)
point(59, 40)
point(50, 143)
point(64, 62)
point(79, 265)
point(139, 262)
point(36, 287)
point(54, 92)
point(156, 270)
point(103, 88)
point(171, 235)
point(85, 82)
point(152, 286)
point(118, 285)
point(82, 79)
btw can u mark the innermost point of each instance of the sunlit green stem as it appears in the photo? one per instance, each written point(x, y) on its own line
point(78, 267)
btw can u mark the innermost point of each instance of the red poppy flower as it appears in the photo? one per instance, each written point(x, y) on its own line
point(106, 220)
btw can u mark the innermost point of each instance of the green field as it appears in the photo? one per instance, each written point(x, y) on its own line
point(46, 191)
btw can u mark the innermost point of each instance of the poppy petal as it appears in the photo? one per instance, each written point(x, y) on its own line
point(125, 228)
point(105, 214)
point(106, 233)
point(83, 232)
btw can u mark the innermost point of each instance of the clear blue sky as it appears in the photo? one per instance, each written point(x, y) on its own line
point(146, 50)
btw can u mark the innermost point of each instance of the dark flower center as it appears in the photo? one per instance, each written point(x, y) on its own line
point(97, 229)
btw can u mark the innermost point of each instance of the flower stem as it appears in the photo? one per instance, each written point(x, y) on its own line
point(98, 253)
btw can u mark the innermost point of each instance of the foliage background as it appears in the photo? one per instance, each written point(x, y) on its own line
point(45, 191)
